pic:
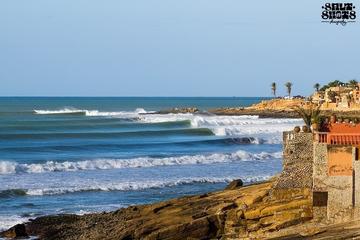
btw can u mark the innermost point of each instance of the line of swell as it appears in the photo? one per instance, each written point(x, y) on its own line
point(88, 125)
point(109, 146)
point(127, 186)
point(149, 133)
point(7, 167)
point(71, 110)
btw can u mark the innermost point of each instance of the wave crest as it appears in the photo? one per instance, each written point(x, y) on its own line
point(7, 167)
point(137, 186)
point(245, 125)
point(69, 110)
point(92, 113)
point(219, 125)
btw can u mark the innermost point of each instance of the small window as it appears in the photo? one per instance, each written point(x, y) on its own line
point(320, 199)
point(357, 154)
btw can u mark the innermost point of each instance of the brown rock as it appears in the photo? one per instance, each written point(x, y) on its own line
point(231, 214)
point(237, 183)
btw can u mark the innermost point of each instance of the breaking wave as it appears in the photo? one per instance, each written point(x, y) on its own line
point(61, 111)
point(219, 125)
point(229, 125)
point(135, 186)
point(9, 221)
point(7, 167)
point(86, 112)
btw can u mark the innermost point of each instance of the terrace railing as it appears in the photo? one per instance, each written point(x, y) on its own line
point(338, 138)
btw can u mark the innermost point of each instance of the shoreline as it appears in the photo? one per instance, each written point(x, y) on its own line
point(196, 216)
point(243, 212)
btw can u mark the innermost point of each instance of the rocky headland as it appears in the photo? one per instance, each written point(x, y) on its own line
point(277, 108)
point(274, 108)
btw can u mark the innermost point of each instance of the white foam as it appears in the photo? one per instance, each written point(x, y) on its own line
point(61, 111)
point(7, 167)
point(8, 221)
point(134, 186)
point(94, 113)
point(229, 125)
point(219, 125)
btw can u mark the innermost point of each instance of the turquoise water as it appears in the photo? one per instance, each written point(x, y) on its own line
point(81, 155)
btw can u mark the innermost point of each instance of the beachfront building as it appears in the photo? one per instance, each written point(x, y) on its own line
point(327, 163)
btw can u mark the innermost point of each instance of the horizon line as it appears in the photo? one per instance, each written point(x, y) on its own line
point(142, 96)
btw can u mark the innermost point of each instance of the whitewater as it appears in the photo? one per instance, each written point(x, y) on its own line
point(220, 125)
point(7, 167)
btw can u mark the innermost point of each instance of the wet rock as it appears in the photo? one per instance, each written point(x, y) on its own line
point(16, 231)
point(234, 184)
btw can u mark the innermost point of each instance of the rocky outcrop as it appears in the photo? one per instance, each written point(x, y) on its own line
point(17, 231)
point(178, 110)
point(278, 104)
point(274, 108)
point(264, 113)
point(234, 184)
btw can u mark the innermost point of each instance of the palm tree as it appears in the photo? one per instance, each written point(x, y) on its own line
point(273, 88)
point(317, 86)
point(288, 86)
point(310, 114)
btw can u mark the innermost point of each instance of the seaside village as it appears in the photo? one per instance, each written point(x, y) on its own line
point(324, 155)
point(338, 96)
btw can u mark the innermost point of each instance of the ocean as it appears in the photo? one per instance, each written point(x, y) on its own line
point(93, 154)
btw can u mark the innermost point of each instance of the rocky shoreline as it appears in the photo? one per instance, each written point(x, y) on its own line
point(238, 212)
point(235, 211)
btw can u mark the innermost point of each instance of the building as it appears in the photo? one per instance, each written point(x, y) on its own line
point(327, 163)
point(341, 97)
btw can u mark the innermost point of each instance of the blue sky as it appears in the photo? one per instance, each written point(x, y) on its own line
point(171, 48)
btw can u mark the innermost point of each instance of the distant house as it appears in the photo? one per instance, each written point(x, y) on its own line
point(318, 97)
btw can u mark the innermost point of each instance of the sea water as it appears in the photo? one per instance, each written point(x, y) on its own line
point(83, 155)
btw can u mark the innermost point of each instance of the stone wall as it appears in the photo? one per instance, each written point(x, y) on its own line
point(320, 167)
point(336, 188)
point(332, 172)
point(357, 182)
point(297, 161)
